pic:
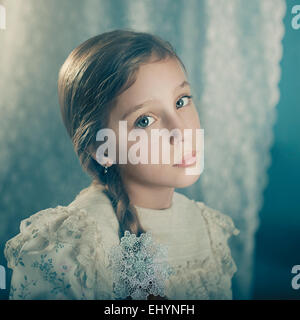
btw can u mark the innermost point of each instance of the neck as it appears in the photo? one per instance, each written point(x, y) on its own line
point(152, 197)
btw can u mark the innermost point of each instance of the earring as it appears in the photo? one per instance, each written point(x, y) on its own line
point(105, 169)
point(107, 164)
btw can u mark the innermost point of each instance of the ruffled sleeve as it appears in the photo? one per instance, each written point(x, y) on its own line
point(54, 255)
point(220, 228)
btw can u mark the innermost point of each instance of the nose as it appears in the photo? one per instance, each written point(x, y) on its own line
point(176, 137)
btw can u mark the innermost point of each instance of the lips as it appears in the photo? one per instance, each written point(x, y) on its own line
point(187, 160)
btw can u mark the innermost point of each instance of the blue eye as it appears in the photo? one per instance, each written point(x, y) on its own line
point(181, 99)
point(143, 122)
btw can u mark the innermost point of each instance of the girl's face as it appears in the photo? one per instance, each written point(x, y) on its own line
point(162, 89)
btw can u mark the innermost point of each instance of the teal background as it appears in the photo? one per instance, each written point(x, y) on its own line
point(278, 238)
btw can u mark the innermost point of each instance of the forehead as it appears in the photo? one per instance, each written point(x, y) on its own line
point(152, 80)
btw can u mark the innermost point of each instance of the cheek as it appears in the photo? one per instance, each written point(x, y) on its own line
point(194, 118)
point(154, 149)
point(144, 172)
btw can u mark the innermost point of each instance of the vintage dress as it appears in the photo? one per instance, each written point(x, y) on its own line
point(65, 252)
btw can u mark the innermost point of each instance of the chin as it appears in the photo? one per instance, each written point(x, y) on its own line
point(185, 181)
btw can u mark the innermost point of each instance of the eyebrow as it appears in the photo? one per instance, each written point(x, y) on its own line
point(140, 106)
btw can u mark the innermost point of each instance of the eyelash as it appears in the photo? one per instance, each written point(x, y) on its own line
point(146, 115)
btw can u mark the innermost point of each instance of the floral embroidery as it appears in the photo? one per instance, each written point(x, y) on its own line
point(137, 267)
point(57, 280)
point(35, 233)
point(58, 245)
point(45, 265)
point(24, 289)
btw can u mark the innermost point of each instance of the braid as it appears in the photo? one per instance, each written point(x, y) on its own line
point(126, 213)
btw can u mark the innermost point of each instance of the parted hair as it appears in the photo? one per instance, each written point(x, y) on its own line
point(89, 82)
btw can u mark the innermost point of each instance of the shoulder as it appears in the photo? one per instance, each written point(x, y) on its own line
point(94, 200)
point(217, 221)
point(60, 246)
point(46, 229)
point(88, 220)
point(220, 228)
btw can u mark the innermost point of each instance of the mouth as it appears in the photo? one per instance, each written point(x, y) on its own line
point(188, 160)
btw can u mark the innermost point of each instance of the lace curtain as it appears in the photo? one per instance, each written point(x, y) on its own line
point(231, 49)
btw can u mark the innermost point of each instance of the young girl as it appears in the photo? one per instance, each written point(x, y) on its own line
point(128, 235)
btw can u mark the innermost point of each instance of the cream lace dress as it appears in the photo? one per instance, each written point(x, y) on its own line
point(65, 252)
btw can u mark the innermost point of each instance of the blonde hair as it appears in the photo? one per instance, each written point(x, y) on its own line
point(94, 74)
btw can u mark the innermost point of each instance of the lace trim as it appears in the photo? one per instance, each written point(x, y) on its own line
point(34, 234)
point(138, 267)
point(199, 279)
point(220, 228)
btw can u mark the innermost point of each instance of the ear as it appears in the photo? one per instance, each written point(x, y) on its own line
point(92, 151)
point(107, 161)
